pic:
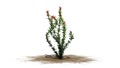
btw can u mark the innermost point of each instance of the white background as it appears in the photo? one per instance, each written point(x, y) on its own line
point(95, 24)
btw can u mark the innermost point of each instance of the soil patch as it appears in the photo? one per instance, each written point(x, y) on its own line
point(53, 59)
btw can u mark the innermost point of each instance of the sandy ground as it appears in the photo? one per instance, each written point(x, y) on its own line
point(52, 59)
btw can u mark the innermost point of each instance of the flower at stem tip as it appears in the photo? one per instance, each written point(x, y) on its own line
point(60, 8)
point(52, 17)
point(47, 13)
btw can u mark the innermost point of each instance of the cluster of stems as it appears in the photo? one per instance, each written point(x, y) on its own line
point(57, 31)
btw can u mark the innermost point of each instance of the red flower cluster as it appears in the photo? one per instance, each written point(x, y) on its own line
point(60, 8)
point(47, 13)
point(52, 17)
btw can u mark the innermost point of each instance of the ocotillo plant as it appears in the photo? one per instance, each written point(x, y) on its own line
point(57, 31)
